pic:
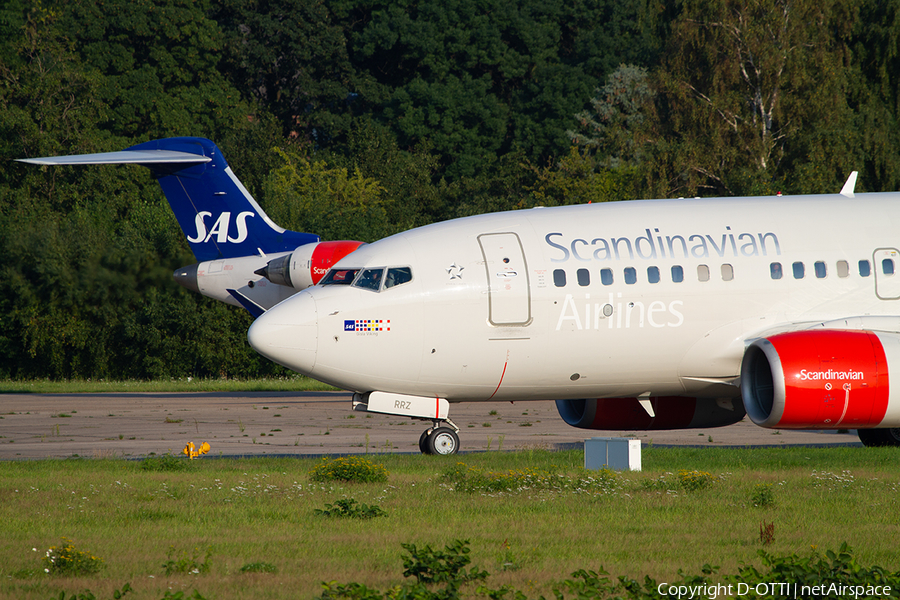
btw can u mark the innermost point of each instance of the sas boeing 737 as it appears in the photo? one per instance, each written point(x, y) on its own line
point(641, 315)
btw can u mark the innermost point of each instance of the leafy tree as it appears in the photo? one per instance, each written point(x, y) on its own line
point(743, 82)
point(407, 177)
point(291, 55)
point(307, 195)
point(159, 60)
point(614, 129)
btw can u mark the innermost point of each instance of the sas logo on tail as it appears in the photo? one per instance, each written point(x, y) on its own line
point(367, 325)
point(220, 228)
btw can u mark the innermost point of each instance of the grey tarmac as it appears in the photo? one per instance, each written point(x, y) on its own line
point(307, 424)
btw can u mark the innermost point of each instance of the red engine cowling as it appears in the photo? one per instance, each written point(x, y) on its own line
point(672, 412)
point(821, 379)
point(306, 265)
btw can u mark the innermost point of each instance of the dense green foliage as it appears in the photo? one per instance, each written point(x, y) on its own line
point(356, 119)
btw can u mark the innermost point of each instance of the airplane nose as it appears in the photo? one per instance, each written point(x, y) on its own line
point(288, 333)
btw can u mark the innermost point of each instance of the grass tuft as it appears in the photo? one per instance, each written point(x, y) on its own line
point(186, 563)
point(259, 567)
point(349, 468)
point(164, 462)
point(350, 508)
point(67, 560)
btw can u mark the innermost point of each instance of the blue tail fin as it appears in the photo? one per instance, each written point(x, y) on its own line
point(218, 216)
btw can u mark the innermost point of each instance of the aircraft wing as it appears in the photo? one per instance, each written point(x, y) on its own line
point(123, 157)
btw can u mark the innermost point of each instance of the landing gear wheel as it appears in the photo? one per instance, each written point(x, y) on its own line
point(879, 437)
point(423, 442)
point(443, 441)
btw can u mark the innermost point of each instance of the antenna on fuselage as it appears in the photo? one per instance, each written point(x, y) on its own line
point(850, 186)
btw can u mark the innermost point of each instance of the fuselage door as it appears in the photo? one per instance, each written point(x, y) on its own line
point(509, 292)
point(886, 264)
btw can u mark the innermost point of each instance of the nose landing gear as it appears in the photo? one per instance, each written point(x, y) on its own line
point(439, 439)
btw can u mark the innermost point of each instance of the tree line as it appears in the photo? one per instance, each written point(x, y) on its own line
point(356, 119)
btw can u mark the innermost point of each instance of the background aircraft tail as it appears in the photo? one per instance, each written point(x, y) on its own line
point(218, 216)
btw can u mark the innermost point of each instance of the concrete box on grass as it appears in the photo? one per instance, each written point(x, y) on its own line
point(619, 454)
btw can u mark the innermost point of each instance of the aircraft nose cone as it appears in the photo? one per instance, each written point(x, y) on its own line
point(288, 333)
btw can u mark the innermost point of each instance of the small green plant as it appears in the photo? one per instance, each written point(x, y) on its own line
point(165, 462)
point(763, 495)
point(693, 481)
point(435, 566)
point(179, 595)
point(188, 563)
point(259, 567)
point(348, 468)
point(89, 595)
point(348, 507)
point(68, 560)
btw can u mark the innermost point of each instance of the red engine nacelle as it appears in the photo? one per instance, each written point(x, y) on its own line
point(672, 412)
point(821, 379)
point(306, 265)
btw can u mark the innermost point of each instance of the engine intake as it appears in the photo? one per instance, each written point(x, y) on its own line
point(306, 265)
point(822, 379)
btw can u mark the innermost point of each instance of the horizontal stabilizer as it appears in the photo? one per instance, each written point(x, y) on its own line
point(123, 157)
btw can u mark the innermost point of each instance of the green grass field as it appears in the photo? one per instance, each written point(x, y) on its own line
point(232, 513)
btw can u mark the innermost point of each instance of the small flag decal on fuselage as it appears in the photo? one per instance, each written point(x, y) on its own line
point(367, 325)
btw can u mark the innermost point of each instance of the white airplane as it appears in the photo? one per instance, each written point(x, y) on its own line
point(239, 248)
point(641, 315)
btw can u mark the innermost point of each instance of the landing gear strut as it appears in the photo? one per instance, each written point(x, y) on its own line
point(439, 439)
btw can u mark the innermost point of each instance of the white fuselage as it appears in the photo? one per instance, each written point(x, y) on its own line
point(487, 316)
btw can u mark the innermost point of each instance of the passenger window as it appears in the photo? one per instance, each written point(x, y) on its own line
point(339, 277)
point(887, 266)
point(727, 272)
point(584, 277)
point(775, 270)
point(370, 279)
point(397, 276)
point(843, 268)
point(653, 274)
point(702, 272)
point(677, 274)
point(865, 269)
point(606, 276)
point(559, 278)
point(820, 269)
point(630, 275)
point(799, 270)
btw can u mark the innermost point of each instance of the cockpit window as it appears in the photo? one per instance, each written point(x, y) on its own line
point(370, 279)
point(397, 276)
point(339, 277)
